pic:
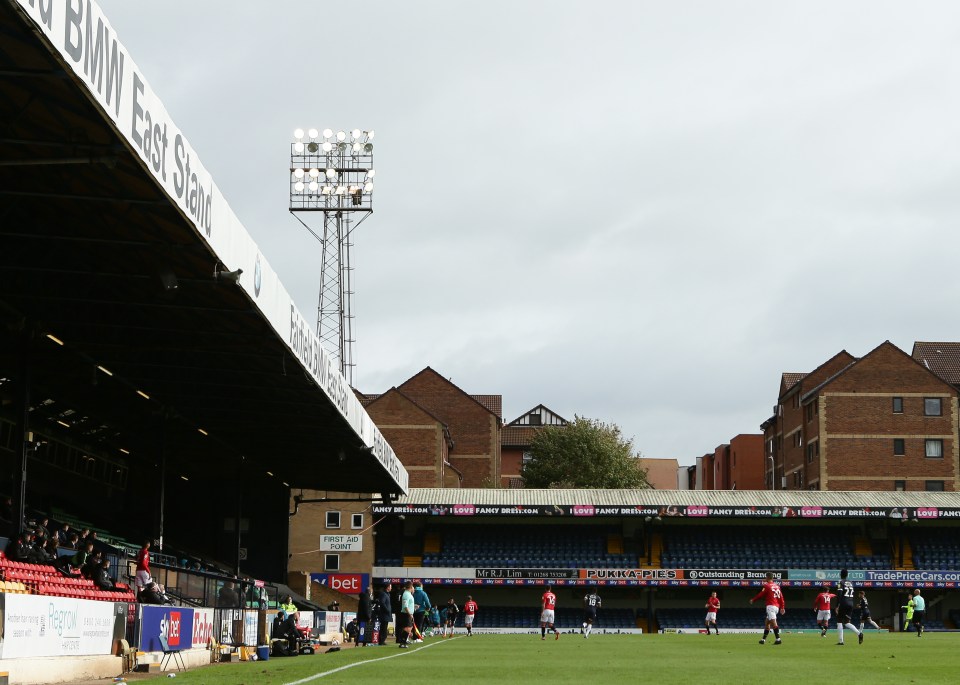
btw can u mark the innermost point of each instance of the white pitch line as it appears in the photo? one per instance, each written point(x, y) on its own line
point(365, 661)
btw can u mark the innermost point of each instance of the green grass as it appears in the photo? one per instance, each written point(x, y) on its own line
point(614, 659)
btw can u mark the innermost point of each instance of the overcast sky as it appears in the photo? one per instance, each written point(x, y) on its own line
point(642, 212)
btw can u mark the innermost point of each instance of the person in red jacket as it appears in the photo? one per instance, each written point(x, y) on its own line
point(773, 598)
point(143, 565)
point(469, 611)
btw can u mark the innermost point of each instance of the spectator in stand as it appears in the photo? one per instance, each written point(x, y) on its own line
point(143, 565)
point(73, 541)
point(78, 560)
point(92, 566)
point(227, 597)
point(6, 509)
point(103, 579)
point(35, 554)
point(153, 593)
point(50, 552)
point(42, 530)
point(333, 606)
point(18, 548)
point(63, 535)
point(84, 534)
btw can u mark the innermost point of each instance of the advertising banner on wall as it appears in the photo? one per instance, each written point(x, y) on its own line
point(661, 577)
point(38, 625)
point(670, 511)
point(165, 628)
point(347, 583)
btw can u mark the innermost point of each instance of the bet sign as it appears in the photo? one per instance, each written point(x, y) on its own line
point(347, 583)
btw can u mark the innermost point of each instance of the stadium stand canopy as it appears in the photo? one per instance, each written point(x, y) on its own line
point(113, 236)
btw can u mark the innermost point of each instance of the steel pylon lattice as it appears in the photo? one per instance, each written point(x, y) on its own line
point(333, 174)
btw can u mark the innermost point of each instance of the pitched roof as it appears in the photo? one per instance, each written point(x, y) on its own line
point(492, 402)
point(518, 436)
point(545, 414)
point(788, 380)
point(942, 358)
point(430, 370)
point(397, 391)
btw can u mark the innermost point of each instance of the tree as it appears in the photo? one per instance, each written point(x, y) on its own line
point(586, 453)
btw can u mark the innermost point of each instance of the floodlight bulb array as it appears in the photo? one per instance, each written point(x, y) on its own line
point(331, 168)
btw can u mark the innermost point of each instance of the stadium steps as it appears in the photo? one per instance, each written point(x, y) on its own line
point(907, 554)
point(642, 625)
point(614, 544)
point(862, 546)
point(656, 549)
point(431, 543)
point(412, 562)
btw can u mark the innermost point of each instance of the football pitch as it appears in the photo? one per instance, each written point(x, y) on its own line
point(612, 659)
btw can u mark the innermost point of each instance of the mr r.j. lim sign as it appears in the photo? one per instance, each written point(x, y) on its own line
point(341, 543)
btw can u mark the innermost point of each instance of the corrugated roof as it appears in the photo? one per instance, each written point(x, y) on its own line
point(942, 358)
point(654, 498)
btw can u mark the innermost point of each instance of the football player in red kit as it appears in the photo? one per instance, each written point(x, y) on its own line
point(773, 598)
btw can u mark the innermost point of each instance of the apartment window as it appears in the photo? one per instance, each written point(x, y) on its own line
point(899, 448)
point(900, 485)
point(798, 479)
point(934, 449)
point(797, 439)
point(813, 450)
point(813, 409)
point(333, 519)
point(356, 521)
point(933, 485)
point(931, 406)
point(331, 562)
point(897, 405)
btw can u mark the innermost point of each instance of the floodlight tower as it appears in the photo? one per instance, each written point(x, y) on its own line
point(333, 173)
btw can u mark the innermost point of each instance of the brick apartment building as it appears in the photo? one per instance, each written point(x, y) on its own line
point(443, 436)
point(885, 421)
point(737, 465)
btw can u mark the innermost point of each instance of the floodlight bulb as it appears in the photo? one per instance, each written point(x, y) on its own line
point(331, 173)
point(355, 133)
point(327, 146)
point(298, 134)
point(371, 173)
point(341, 136)
point(298, 186)
point(312, 147)
point(368, 148)
point(313, 186)
point(327, 133)
point(314, 173)
point(327, 190)
point(298, 147)
point(342, 147)
point(368, 187)
point(341, 190)
point(357, 147)
point(370, 135)
point(312, 133)
point(298, 173)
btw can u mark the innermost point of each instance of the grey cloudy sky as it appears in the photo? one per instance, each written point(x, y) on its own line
point(641, 212)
